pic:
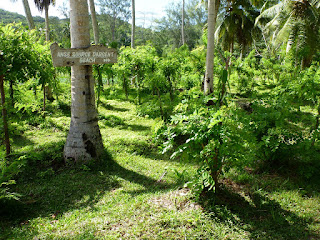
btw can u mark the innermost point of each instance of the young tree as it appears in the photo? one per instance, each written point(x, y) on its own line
point(22, 57)
point(44, 4)
point(84, 141)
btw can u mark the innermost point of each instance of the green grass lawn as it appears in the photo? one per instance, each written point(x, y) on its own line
point(138, 193)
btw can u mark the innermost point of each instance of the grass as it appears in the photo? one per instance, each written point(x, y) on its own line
point(138, 193)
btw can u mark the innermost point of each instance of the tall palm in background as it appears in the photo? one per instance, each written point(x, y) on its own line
point(133, 25)
point(236, 23)
point(44, 4)
point(182, 26)
point(295, 23)
point(28, 13)
point(94, 21)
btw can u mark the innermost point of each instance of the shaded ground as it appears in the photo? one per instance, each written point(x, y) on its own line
point(137, 194)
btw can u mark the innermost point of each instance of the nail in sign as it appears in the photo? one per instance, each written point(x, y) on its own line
point(84, 56)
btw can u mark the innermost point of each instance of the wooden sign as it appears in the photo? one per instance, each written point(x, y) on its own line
point(97, 54)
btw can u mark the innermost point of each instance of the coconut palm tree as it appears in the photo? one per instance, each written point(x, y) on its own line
point(133, 27)
point(44, 4)
point(213, 6)
point(296, 23)
point(84, 141)
point(236, 23)
point(28, 13)
point(182, 27)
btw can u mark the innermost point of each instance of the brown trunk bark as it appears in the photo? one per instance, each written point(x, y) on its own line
point(11, 93)
point(44, 97)
point(4, 117)
point(160, 104)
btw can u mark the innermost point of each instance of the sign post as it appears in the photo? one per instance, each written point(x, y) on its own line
point(97, 54)
point(84, 141)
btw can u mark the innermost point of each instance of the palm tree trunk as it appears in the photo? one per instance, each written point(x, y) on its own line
point(182, 27)
point(84, 141)
point(94, 22)
point(113, 27)
point(212, 15)
point(95, 29)
point(133, 27)
point(28, 14)
point(46, 10)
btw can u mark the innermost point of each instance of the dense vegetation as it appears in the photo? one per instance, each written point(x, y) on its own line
point(11, 17)
point(249, 152)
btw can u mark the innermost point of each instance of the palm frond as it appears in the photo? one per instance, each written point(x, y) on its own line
point(315, 3)
point(284, 32)
point(41, 4)
point(270, 13)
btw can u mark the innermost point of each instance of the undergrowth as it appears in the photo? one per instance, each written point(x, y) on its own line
point(138, 193)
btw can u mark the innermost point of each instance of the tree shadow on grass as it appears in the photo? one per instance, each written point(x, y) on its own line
point(113, 121)
point(20, 142)
point(136, 127)
point(51, 194)
point(261, 216)
point(144, 149)
point(113, 108)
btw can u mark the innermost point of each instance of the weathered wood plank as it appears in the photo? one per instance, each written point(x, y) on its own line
point(96, 54)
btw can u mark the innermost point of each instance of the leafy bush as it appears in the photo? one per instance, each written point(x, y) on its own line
point(213, 137)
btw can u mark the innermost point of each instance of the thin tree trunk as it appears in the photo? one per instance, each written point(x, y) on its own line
point(28, 14)
point(100, 85)
point(94, 22)
point(113, 28)
point(316, 126)
point(84, 141)
point(11, 92)
point(133, 27)
point(208, 81)
point(46, 10)
point(138, 90)
point(4, 117)
point(170, 89)
point(182, 27)
point(160, 103)
point(44, 97)
point(125, 85)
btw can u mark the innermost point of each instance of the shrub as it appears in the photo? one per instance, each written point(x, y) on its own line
point(213, 137)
